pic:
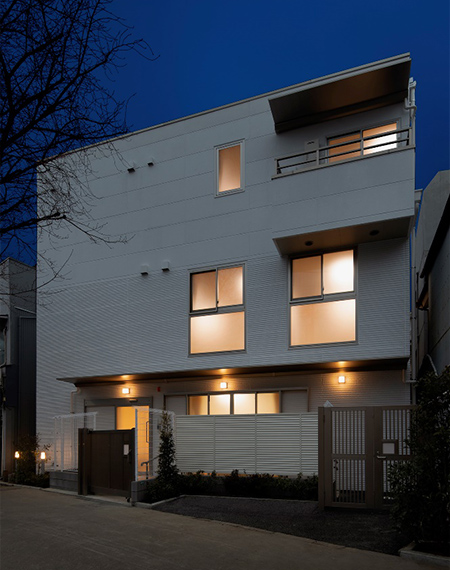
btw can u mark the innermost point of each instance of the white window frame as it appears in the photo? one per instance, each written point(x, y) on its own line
point(217, 310)
point(322, 298)
point(239, 143)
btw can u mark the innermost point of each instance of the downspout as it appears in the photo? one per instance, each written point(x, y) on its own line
point(72, 398)
point(410, 105)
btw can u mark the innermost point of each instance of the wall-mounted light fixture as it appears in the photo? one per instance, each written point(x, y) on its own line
point(42, 455)
point(341, 379)
point(224, 385)
point(125, 390)
point(17, 455)
point(145, 268)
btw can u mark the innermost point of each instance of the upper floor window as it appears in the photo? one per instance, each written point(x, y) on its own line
point(363, 142)
point(230, 168)
point(323, 305)
point(217, 317)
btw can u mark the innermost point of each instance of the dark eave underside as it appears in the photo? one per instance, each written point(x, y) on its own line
point(361, 91)
point(353, 365)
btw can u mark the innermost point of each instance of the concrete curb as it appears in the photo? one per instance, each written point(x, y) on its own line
point(436, 560)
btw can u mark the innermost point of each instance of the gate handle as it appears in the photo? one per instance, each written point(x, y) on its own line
point(381, 456)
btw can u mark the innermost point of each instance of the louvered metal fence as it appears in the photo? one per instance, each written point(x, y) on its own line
point(282, 444)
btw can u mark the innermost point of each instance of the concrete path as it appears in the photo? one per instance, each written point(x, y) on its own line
point(45, 530)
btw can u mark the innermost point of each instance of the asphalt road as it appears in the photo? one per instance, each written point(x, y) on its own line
point(44, 530)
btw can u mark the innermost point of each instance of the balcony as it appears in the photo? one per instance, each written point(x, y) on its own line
point(352, 146)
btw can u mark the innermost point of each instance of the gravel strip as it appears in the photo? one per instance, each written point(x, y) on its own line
point(353, 528)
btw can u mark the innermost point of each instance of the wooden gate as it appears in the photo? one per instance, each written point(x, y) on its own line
point(105, 462)
point(356, 448)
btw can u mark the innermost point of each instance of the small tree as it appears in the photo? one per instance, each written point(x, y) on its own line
point(421, 487)
point(167, 469)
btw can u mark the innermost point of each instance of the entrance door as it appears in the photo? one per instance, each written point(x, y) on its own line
point(105, 462)
point(356, 448)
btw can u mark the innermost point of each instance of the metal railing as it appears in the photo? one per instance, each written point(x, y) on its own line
point(330, 154)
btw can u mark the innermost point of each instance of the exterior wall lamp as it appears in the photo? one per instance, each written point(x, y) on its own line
point(224, 385)
point(125, 390)
point(341, 379)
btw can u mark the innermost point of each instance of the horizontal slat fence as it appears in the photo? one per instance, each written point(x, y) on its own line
point(281, 444)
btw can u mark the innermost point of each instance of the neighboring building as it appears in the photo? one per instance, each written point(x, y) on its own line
point(432, 276)
point(267, 265)
point(17, 357)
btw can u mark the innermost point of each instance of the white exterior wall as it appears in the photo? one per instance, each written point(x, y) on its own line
point(105, 318)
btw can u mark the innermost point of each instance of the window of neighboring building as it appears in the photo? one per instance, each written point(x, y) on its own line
point(217, 320)
point(367, 141)
point(323, 305)
point(235, 403)
point(230, 168)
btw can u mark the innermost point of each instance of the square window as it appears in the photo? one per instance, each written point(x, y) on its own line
point(244, 403)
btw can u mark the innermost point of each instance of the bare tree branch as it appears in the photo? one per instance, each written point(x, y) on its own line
point(55, 60)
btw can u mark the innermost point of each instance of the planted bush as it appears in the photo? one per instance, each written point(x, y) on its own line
point(25, 466)
point(421, 487)
point(235, 485)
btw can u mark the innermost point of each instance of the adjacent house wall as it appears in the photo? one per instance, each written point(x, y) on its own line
point(433, 275)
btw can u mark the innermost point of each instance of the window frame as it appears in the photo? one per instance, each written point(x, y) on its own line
point(240, 308)
point(218, 148)
point(231, 393)
point(322, 298)
point(359, 140)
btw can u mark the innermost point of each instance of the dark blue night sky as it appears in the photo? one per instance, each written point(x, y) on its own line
point(213, 53)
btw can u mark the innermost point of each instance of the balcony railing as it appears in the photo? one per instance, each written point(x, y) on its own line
point(354, 148)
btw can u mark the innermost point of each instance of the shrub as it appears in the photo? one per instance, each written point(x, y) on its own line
point(25, 472)
point(167, 469)
point(421, 487)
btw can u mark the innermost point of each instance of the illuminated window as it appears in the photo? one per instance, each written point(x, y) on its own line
point(236, 403)
point(230, 168)
point(323, 304)
point(217, 321)
point(359, 143)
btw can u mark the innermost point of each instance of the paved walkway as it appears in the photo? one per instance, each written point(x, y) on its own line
point(45, 530)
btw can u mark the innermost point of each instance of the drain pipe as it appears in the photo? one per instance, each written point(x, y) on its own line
point(410, 105)
point(72, 398)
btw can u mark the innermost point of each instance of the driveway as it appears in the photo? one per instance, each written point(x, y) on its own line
point(46, 530)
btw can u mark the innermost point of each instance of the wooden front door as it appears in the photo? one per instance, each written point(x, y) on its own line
point(105, 462)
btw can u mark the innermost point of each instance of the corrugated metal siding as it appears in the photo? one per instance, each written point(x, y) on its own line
point(105, 318)
point(283, 444)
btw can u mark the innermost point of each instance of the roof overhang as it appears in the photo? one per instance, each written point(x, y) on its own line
point(162, 377)
point(347, 236)
point(359, 89)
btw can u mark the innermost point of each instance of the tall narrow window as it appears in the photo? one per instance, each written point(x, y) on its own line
point(229, 168)
point(323, 305)
point(217, 321)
